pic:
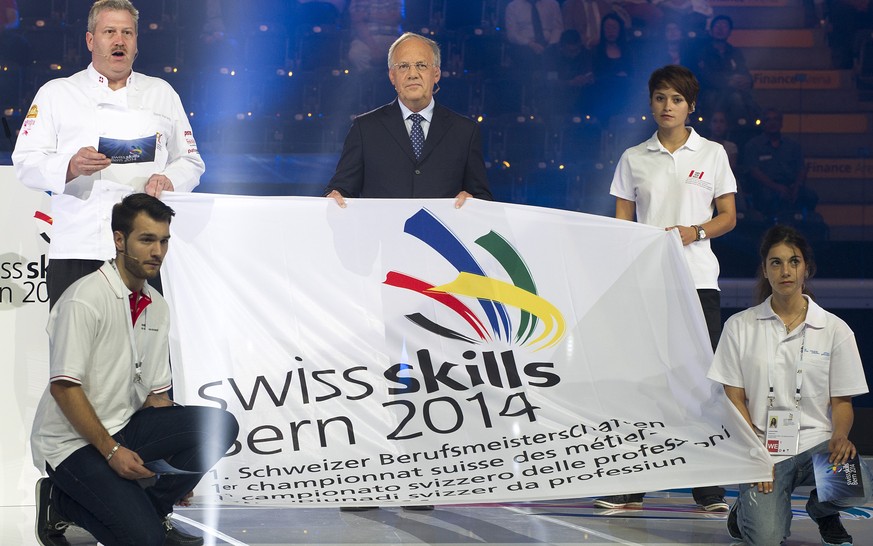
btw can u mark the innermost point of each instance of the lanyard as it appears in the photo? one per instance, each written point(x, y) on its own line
point(798, 366)
point(137, 361)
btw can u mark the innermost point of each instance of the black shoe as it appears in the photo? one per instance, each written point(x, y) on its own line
point(419, 507)
point(177, 537)
point(357, 508)
point(620, 501)
point(713, 503)
point(733, 524)
point(832, 531)
point(50, 525)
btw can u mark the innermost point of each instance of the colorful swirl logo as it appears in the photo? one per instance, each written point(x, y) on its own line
point(43, 219)
point(136, 150)
point(494, 296)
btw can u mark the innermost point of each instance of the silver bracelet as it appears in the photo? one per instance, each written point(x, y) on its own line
point(111, 453)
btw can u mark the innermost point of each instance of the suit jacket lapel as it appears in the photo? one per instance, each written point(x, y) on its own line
point(439, 126)
point(393, 120)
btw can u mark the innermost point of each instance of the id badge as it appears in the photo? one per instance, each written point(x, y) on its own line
point(783, 432)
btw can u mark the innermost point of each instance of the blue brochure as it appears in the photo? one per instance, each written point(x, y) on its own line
point(161, 466)
point(837, 481)
point(138, 150)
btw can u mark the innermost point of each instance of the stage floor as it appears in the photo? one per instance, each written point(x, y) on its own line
point(666, 518)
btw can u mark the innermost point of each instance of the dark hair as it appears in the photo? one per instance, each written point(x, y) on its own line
point(126, 211)
point(793, 238)
point(621, 30)
point(718, 18)
point(679, 78)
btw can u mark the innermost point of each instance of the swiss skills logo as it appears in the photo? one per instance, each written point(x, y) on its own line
point(834, 480)
point(138, 150)
point(44, 221)
point(23, 273)
point(510, 311)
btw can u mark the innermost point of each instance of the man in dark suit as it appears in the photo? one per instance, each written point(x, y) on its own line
point(412, 147)
point(389, 153)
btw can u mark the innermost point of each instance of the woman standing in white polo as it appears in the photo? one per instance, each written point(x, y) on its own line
point(676, 180)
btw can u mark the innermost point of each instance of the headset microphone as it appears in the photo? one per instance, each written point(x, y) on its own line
point(104, 55)
point(129, 256)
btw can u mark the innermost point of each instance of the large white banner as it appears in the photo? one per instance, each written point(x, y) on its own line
point(25, 230)
point(404, 351)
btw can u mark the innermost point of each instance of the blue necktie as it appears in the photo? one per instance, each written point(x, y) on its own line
point(417, 134)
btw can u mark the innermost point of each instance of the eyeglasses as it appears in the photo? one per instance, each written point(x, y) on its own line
point(403, 68)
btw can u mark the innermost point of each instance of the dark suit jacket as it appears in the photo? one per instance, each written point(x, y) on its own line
point(377, 158)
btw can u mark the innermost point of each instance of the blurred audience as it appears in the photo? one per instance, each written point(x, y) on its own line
point(531, 27)
point(13, 48)
point(585, 16)
point(777, 173)
point(582, 55)
point(216, 44)
point(719, 130)
point(673, 40)
point(375, 25)
point(570, 62)
point(848, 22)
point(644, 14)
point(8, 15)
point(691, 15)
point(613, 68)
point(569, 72)
point(319, 12)
point(725, 80)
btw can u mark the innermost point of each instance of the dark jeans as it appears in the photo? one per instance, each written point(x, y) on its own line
point(710, 300)
point(118, 511)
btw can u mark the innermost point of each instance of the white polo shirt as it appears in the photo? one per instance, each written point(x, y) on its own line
point(90, 344)
point(755, 339)
point(677, 189)
point(71, 113)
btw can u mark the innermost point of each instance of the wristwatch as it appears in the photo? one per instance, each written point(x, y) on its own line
point(701, 233)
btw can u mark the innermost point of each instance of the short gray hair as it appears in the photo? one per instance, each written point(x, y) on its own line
point(115, 5)
point(435, 47)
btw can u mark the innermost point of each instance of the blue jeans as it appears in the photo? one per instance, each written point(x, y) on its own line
point(765, 519)
point(118, 511)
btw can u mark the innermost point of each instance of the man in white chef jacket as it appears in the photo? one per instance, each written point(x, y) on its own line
point(97, 136)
